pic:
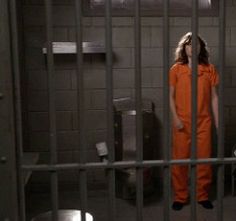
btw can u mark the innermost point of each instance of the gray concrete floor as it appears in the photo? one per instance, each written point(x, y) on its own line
point(37, 203)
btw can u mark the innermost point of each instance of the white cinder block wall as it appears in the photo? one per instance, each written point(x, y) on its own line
point(35, 87)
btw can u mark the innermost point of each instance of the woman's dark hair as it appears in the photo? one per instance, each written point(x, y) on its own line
point(181, 56)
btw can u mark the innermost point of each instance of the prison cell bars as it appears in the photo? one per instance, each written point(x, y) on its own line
point(166, 108)
point(138, 108)
point(81, 117)
point(220, 151)
point(18, 113)
point(52, 109)
point(125, 164)
point(194, 77)
point(139, 163)
point(109, 109)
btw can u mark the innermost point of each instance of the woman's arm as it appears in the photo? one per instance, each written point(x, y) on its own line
point(177, 122)
point(214, 104)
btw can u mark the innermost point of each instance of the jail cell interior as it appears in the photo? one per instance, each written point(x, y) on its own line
point(118, 75)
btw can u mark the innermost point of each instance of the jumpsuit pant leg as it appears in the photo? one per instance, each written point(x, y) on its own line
point(204, 149)
point(181, 150)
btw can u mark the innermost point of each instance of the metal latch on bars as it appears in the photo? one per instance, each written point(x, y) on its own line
point(3, 160)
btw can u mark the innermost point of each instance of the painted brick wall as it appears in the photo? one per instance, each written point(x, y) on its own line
point(35, 76)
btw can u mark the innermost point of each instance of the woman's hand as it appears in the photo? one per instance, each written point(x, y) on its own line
point(178, 123)
point(214, 103)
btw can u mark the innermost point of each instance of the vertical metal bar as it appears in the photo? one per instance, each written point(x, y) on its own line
point(194, 106)
point(167, 181)
point(81, 107)
point(9, 206)
point(220, 151)
point(18, 118)
point(52, 109)
point(110, 114)
point(138, 103)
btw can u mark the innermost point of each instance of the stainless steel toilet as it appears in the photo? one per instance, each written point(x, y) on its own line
point(126, 148)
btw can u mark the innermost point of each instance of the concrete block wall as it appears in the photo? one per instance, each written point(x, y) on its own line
point(35, 86)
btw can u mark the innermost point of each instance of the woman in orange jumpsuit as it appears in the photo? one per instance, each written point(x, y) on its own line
point(180, 104)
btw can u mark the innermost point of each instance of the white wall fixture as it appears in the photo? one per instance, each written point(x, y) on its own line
point(151, 7)
point(150, 3)
point(70, 48)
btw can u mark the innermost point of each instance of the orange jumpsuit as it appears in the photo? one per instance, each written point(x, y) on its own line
point(180, 79)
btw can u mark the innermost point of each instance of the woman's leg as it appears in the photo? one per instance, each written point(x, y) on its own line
point(204, 171)
point(181, 150)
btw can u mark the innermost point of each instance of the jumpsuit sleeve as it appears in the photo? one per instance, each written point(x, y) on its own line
point(214, 76)
point(173, 75)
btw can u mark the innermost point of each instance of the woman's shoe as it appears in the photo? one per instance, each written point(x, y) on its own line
point(177, 205)
point(207, 204)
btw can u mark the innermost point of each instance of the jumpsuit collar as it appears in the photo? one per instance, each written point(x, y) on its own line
point(201, 69)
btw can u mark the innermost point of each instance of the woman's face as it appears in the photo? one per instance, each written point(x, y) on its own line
point(188, 49)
